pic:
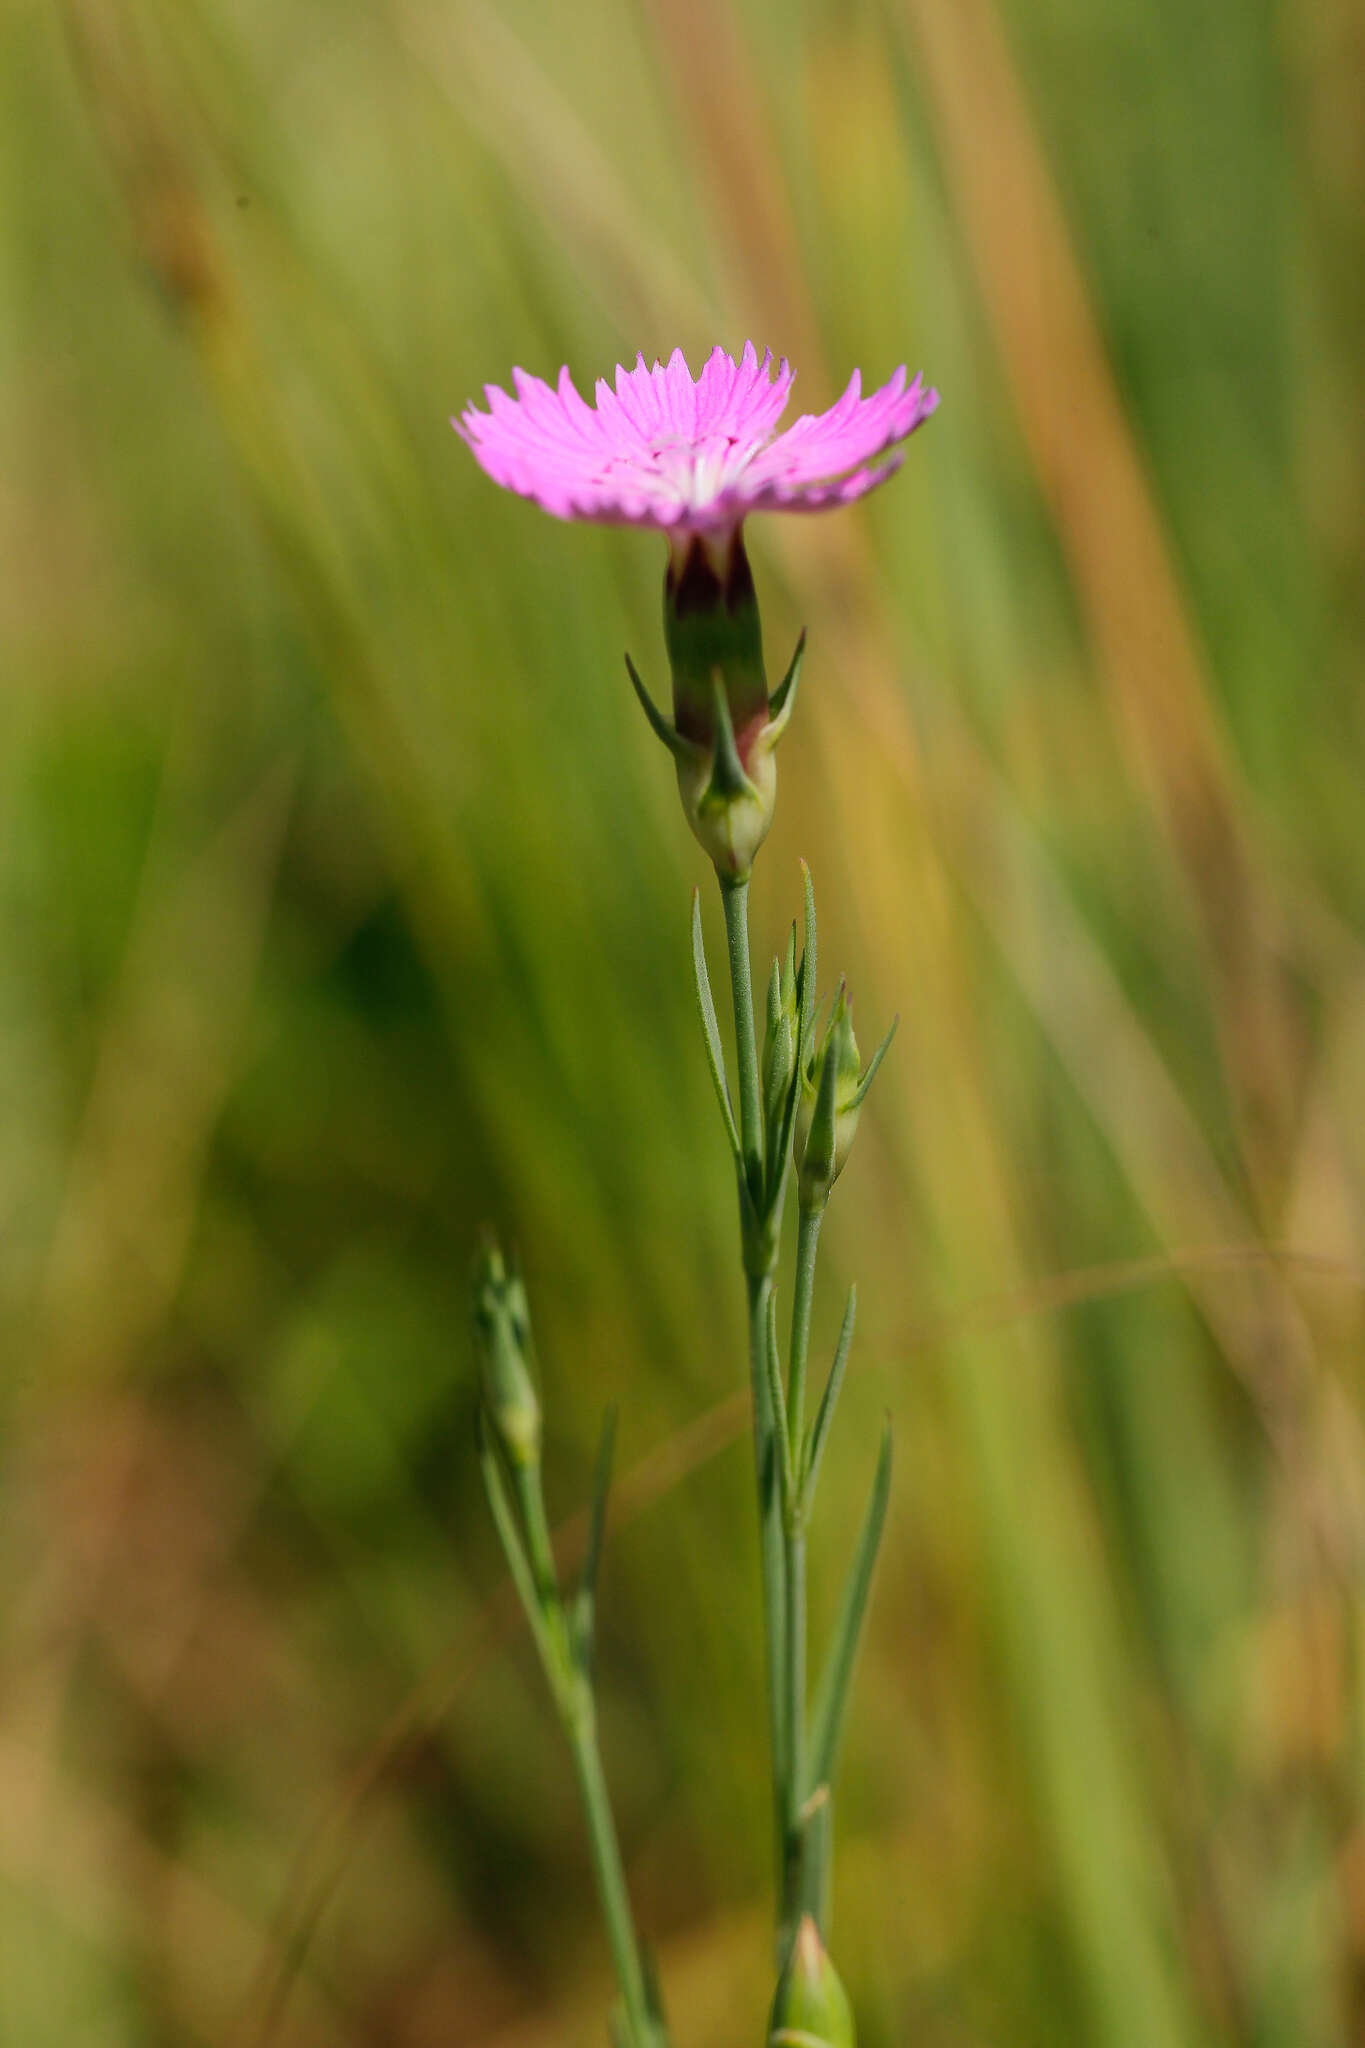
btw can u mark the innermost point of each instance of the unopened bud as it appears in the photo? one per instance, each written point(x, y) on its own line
point(811, 2009)
point(827, 1114)
point(832, 1092)
point(502, 1336)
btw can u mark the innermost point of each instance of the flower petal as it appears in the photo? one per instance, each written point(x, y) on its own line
point(663, 449)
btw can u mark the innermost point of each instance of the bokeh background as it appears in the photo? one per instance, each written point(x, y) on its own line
point(343, 906)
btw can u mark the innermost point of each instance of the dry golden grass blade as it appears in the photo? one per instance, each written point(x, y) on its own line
point(713, 77)
point(1079, 1001)
point(1315, 1513)
point(1324, 1205)
point(989, 851)
point(1115, 1277)
point(1058, 1629)
point(1096, 483)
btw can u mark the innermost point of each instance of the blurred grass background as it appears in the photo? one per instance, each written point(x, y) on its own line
point(343, 905)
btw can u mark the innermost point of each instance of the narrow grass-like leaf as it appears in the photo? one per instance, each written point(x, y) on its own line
point(808, 963)
point(710, 1029)
point(805, 1031)
point(878, 1056)
point(776, 1079)
point(825, 1415)
point(831, 1699)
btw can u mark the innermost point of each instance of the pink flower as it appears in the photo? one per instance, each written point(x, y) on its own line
point(690, 456)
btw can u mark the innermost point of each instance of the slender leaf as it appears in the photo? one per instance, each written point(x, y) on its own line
point(805, 1027)
point(808, 963)
point(820, 1432)
point(710, 1029)
point(870, 1069)
point(831, 1699)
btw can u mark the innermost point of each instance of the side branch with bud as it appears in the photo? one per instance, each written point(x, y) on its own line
point(563, 1628)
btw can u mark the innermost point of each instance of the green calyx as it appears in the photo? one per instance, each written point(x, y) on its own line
point(833, 1090)
point(502, 1337)
point(711, 627)
point(811, 2008)
point(725, 725)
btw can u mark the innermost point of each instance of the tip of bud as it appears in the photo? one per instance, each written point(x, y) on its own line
point(811, 2008)
point(502, 1338)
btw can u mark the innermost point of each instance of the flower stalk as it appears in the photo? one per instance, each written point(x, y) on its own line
point(735, 898)
point(690, 458)
point(803, 1100)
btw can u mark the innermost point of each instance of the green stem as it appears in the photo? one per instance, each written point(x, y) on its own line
point(760, 1255)
point(735, 897)
point(807, 1242)
point(794, 1577)
point(572, 1691)
point(581, 1727)
point(771, 1561)
point(794, 1585)
point(531, 1499)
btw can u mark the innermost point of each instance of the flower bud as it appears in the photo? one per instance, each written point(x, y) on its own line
point(502, 1337)
point(832, 1092)
point(725, 726)
point(811, 2009)
point(827, 1114)
point(779, 1044)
